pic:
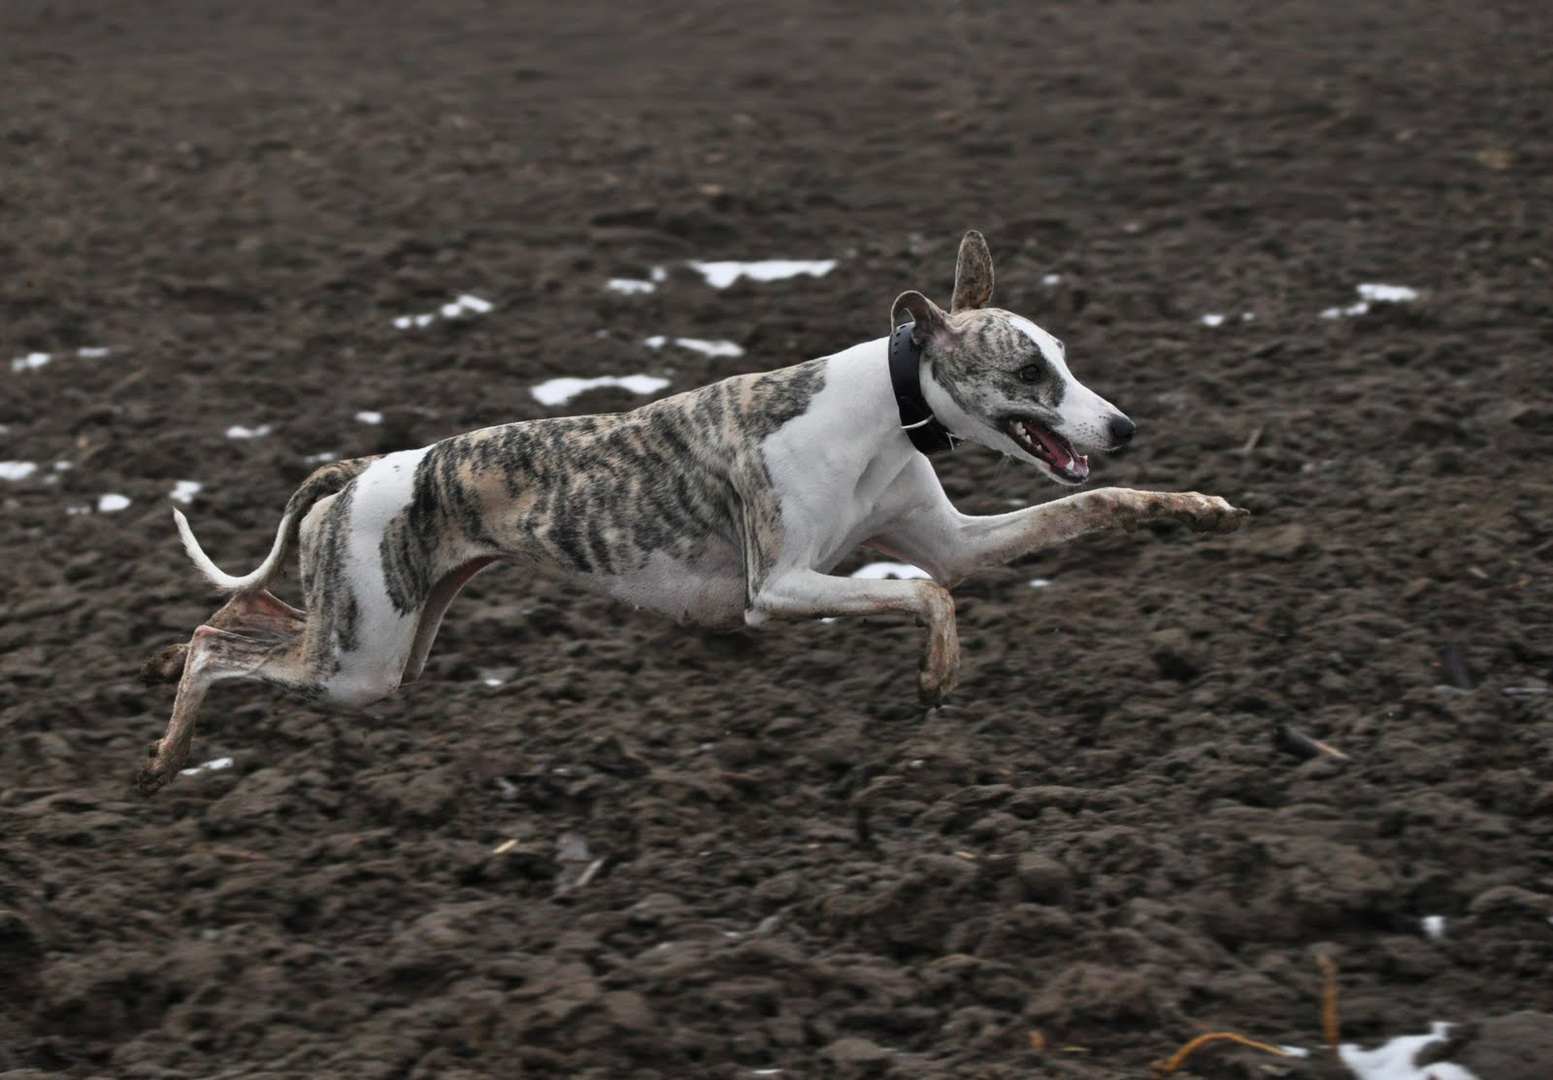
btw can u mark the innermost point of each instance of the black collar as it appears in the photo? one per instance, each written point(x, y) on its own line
point(917, 419)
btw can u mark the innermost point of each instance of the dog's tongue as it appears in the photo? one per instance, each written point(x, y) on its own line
point(1057, 454)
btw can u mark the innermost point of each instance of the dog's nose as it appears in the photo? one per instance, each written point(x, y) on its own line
point(1122, 429)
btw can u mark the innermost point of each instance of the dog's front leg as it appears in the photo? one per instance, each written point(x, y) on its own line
point(950, 545)
point(808, 594)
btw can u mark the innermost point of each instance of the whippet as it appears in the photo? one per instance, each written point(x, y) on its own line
point(727, 503)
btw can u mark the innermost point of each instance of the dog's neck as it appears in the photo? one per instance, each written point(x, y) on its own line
point(926, 431)
point(960, 425)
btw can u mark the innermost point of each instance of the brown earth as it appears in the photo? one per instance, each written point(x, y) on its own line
point(1100, 850)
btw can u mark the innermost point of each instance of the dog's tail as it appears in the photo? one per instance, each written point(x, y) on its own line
point(324, 482)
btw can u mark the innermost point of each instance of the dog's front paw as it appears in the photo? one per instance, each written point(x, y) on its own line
point(1207, 513)
point(939, 672)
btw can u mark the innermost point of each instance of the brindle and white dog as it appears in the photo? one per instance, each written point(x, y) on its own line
point(732, 502)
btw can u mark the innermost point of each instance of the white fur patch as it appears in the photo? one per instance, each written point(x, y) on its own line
point(832, 464)
point(384, 635)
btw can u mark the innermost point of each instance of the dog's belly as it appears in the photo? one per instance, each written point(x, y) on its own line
point(707, 590)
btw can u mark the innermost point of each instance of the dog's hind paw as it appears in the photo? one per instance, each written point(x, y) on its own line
point(154, 776)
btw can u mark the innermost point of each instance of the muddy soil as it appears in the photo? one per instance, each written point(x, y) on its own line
point(594, 844)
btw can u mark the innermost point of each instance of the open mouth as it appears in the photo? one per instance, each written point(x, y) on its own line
point(1050, 449)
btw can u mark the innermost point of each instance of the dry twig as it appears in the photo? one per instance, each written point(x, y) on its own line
point(1296, 742)
point(1176, 1060)
point(1331, 1029)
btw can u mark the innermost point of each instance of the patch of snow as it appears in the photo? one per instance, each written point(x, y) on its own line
point(1039, 582)
point(630, 286)
point(879, 571)
point(63, 466)
point(1052, 279)
point(1213, 320)
point(185, 490)
point(1396, 1060)
point(237, 431)
point(91, 353)
point(1372, 293)
point(321, 459)
point(30, 362)
point(1433, 925)
point(720, 275)
point(1248, 316)
point(215, 765)
point(1295, 1051)
point(369, 417)
point(73, 510)
point(497, 676)
point(1352, 309)
point(706, 348)
point(112, 504)
point(17, 470)
point(659, 275)
point(465, 304)
point(1386, 294)
point(560, 391)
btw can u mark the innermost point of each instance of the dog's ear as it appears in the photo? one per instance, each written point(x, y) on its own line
point(928, 316)
point(972, 274)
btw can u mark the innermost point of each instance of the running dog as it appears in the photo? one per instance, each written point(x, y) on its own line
point(727, 503)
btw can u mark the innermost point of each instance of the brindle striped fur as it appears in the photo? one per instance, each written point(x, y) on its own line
point(600, 494)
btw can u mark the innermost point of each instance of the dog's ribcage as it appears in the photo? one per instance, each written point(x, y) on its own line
point(653, 506)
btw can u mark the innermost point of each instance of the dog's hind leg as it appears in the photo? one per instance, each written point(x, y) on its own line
point(212, 655)
point(256, 613)
point(258, 610)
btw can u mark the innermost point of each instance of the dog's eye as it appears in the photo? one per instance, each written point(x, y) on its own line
point(1030, 373)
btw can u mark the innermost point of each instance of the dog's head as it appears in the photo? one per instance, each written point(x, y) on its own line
point(996, 378)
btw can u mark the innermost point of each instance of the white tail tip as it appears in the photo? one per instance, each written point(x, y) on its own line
point(214, 574)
